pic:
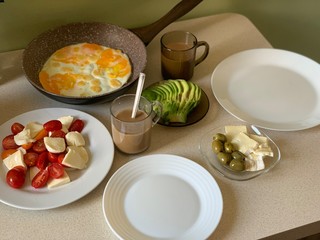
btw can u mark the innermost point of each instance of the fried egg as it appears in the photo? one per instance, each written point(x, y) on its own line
point(85, 69)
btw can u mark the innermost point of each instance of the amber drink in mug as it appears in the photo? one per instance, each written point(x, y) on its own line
point(179, 54)
point(133, 135)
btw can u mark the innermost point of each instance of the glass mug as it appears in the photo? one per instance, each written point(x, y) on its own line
point(178, 54)
point(133, 135)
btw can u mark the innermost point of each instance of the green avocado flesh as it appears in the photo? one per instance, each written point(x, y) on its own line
point(178, 98)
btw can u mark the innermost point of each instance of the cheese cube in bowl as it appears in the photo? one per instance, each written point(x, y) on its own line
point(239, 151)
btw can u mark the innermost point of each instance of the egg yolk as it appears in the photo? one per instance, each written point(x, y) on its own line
point(57, 82)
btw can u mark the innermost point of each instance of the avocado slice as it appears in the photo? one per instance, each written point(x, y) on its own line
point(178, 98)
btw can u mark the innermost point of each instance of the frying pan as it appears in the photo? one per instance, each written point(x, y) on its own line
point(132, 42)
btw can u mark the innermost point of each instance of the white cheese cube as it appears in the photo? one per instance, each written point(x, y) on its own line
point(76, 157)
point(260, 164)
point(232, 131)
point(244, 143)
point(265, 151)
point(15, 159)
point(34, 127)
point(64, 129)
point(75, 139)
point(55, 144)
point(33, 171)
point(250, 165)
point(264, 145)
point(55, 182)
point(24, 151)
point(259, 139)
point(23, 137)
point(254, 163)
point(66, 122)
point(28, 133)
point(82, 151)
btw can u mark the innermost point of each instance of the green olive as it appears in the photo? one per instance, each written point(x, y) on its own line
point(228, 147)
point(224, 157)
point(217, 146)
point(237, 165)
point(219, 136)
point(238, 155)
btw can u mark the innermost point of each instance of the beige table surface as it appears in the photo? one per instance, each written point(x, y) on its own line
point(283, 199)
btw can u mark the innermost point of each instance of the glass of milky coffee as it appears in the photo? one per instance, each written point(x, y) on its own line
point(133, 135)
point(179, 54)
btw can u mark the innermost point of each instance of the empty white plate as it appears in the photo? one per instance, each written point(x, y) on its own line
point(162, 197)
point(270, 88)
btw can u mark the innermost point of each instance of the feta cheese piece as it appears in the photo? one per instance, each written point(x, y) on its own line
point(55, 144)
point(244, 143)
point(34, 128)
point(66, 122)
point(64, 129)
point(232, 131)
point(254, 163)
point(55, 182)
point(75, 139)
point(259, 139)
point(263, 151)
point(15, 159)
point(33, 171)
point(24, 151)
point(28, 133)
point(23, 137)
point(76, 157)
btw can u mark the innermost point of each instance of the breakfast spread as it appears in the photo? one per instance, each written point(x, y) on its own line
point(240, 150)
point(85, 69)
point(178, 98)
point(46, 150)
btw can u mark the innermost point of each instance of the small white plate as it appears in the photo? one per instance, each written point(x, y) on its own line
point(101, 150)
point(162, 197)
point(270, 88)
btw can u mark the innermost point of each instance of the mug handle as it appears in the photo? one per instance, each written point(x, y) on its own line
point(157, 108)
point(204, 54)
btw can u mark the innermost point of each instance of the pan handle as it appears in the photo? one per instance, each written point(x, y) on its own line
point(147, 33)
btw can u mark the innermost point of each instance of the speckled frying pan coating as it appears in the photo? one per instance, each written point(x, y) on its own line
point(109, 35)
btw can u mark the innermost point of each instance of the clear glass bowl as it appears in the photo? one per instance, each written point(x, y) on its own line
point(213, 162)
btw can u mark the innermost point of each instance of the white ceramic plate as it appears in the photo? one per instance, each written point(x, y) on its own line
point(101, 149)
point(162, 197)
point(270, 88)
